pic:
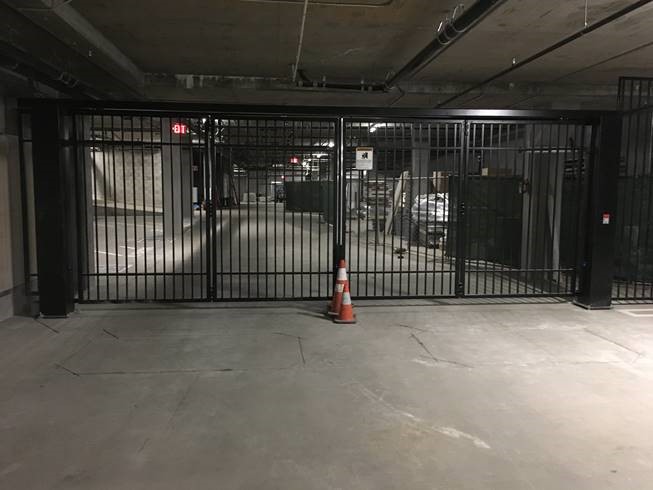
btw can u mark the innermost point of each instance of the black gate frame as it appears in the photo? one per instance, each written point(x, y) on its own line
point(51, 140)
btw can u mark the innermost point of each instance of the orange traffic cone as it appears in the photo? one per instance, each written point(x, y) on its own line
point(346, 309)
point(338, 288)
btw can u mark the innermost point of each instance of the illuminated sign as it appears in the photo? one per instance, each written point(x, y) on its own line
point(294, 160)
point(179, 128)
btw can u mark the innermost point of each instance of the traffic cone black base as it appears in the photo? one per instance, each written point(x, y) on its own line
point(348, 322)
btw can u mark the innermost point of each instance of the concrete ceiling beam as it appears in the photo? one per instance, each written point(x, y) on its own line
point(62, 21)
point(22, 86)
point(206, 81)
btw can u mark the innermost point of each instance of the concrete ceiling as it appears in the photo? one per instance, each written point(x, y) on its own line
point(259, 38)
point(242, 51)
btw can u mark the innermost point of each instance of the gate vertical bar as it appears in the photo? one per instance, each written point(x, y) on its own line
point(210, 207)
point(461, 215)
point(339, 230)
point(80, 187)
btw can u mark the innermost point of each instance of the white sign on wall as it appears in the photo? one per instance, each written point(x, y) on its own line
point(364, 158)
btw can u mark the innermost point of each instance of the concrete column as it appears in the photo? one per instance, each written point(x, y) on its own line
point(420, 161)
point(176, 183)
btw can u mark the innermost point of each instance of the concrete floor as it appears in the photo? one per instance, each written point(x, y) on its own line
point(250, 396)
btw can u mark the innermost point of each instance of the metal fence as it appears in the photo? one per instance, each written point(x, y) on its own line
point(143, 233)
point(208, 206)
point(398, 213)
point(204, 208)
point(634, 238)
point(27, 201)
point(465, 208)
point(274, 196)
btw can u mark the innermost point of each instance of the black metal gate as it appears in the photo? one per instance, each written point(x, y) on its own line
point(195, 206)
point(465, 208)
point(634, 238)
point(523, 201)
point(142, 183)
point(204, 208)
point(274, 195)
point(400, 215)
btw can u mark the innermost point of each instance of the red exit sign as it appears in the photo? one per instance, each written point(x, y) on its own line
point(179, 128)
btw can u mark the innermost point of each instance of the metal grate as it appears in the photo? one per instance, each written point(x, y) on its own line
point(142, 182)
point(28, 204)
point(523, 192)
point(634, 237)
point(202, 206)
point(635, 93)
point(274, 182)
point(399, 213)
point(465, 208)
point(187, 208)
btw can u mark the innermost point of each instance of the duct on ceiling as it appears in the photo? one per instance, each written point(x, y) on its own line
point(450, 31)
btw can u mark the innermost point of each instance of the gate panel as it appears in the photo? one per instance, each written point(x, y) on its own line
point(274, 193)
point(523, 193)
point(141, 182)
point(399, 215)
point(476, 208)
point(236, 207)
point(634, 221)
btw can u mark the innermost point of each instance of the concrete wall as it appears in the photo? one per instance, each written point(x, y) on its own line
point(134, 188)
point(13, 298)
point(126, 181)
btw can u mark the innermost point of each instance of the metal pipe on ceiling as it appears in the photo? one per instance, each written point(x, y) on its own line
point(567, 40)
point(449, 32)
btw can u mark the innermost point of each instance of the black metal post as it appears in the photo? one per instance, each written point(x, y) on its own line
point(211, 206)
point(597, 268)
point(340, 186)
point(54, 190)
